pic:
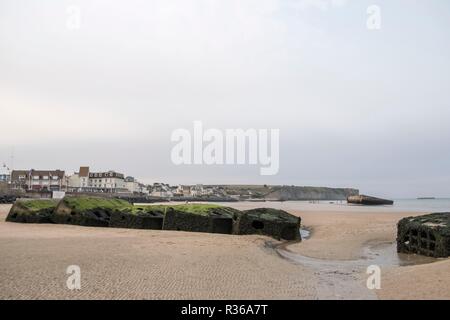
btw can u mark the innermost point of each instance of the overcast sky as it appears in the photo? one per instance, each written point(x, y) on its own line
point(359, 108)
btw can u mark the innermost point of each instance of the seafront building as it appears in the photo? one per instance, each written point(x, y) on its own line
point(39, 180)
point(106, 182)
point(134, 186)
point(82, 181)
point(79, 181)
point(109, 181)
point(86, 181)
point(161, 190)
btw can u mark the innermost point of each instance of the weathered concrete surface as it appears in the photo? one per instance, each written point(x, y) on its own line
point(185, 221)
point(213, 219)
point(367, 200)
point(271, 222)
point(110, 212)
point(7, 199)
point(137, 219)
point(32, 211)
point(87, 211)
point(427, 235)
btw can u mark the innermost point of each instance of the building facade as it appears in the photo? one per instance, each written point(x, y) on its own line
point(110, 181)
point(134, 186)
point(79, 181)
point(161, 190)
point(39, 180)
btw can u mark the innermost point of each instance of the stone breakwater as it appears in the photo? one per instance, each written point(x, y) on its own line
point(7, 199)
point(117, 213)
point(427, 235)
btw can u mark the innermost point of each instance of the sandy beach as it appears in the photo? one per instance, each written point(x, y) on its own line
point(148, 264)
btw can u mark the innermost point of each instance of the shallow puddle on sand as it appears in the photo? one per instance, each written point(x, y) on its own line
point(385, 254)
point(346, 279)
point(305, 233)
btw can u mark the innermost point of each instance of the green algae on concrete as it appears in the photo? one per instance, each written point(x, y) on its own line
point(146, 217)
point(427, 235)
point(81, 204)
point(32, 211)
point(200, 218)
point(196, 208)
point(110, 212)
point(278, 224)
point(87, 211)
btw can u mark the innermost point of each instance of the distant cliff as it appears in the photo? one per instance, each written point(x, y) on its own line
point(309, 193)
point(271, 192)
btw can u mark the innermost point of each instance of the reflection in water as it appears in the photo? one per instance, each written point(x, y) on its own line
point(305, 233)
point(385, 254)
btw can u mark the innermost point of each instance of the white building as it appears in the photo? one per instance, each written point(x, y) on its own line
point(110, 181)
point(161, 190)
point(79, 181)
point(86, 181)
point(194, 191)
point(135, 186)
point(5, 174)
point(197, 190)
point(184, 190)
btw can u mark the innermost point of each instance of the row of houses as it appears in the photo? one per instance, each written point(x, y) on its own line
point(105, 182)
point(82, 181)
point(166, 191)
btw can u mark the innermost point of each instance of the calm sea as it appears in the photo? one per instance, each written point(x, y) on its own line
point(400, 205)
point(434, 205)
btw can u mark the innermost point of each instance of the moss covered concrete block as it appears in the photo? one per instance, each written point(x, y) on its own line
point(32, 211)
point(87, 211)
point(138, 218)
point(175, 219)
point(199, 218)
point(427, 235)
point(278, 224)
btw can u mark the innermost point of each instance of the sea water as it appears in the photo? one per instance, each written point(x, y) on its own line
point(400, 205)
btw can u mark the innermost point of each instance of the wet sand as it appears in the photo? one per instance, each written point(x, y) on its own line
point(346, 239)
point(148, 264)
point(143, 264)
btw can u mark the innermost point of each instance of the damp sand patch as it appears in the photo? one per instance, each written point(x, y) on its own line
point(346, 279)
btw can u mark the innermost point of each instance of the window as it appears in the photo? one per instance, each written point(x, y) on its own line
point(35, 177)
point(45, 177)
